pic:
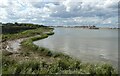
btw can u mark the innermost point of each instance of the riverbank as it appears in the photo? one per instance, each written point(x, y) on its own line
point(32, 59)
point(61, 64)
point(85, 27)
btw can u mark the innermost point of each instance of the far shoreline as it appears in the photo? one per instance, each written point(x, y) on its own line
point(98, 28)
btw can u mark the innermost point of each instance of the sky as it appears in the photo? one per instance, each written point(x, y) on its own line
point(60, 12)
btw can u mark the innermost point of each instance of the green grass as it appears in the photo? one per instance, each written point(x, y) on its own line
point(26, 33)
point(28, 45)
point(63, 66)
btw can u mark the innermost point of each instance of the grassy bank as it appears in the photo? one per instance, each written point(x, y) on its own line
point(39, 60)
point(26, 33)
point(63, 66)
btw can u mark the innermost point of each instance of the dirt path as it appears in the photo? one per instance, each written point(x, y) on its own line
point(13, 46)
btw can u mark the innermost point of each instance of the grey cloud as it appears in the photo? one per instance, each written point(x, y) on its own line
point(89, 11)
point(60, 12)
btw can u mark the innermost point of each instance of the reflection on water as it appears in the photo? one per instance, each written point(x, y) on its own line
point(84, 44)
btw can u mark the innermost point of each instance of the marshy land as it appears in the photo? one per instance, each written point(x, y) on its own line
point(32, 59)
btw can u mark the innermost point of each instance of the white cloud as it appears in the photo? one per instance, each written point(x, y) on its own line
point(60, 12)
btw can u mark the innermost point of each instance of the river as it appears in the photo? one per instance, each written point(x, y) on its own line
point(88, 45)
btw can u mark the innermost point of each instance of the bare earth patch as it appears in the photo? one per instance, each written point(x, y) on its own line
point(13, 46)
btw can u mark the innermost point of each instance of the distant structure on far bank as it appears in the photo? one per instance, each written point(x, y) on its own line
point(85, 27)
point(89, 27)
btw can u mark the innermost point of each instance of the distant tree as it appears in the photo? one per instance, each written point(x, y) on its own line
point(16, 24)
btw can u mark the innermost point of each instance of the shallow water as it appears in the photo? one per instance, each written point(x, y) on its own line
point(88, 45)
